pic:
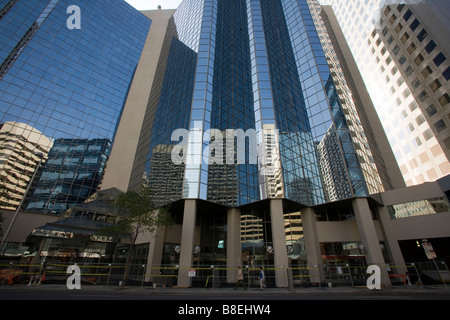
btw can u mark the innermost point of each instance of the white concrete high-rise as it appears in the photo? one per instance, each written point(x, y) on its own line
point(401, 49)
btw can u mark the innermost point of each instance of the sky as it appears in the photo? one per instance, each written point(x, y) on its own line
point(153, 4)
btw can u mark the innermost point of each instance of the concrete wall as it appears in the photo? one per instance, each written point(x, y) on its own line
point(357, 84)
point(426, 226)
point(120, 163)
point(24, 224)
point(422, 227)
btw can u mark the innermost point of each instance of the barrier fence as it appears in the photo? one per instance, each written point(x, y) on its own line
point(210, 276)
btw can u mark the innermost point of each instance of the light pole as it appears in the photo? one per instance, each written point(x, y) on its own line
point(2, 245)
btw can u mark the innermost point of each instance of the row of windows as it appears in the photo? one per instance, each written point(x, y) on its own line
point(439, 58)
point(71, 84)
point(233, 102)
point(426, 72)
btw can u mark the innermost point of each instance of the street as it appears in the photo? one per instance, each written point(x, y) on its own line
point(60, 292)
point(222, 303)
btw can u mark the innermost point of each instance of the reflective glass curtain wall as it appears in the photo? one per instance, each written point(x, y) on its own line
point(256, 65)
point(232, 108)
point(169, 105)
point(341, 171)
point(68, 84)
point(71, 174)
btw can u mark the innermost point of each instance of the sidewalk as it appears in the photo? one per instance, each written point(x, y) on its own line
point(222, 291)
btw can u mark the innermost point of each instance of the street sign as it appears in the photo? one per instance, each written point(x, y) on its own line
point(428, 248)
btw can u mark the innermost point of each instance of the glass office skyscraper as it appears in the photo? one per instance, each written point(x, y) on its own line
point(250, 118)
point(247, 117)
point(69, 86)
point(241, 65)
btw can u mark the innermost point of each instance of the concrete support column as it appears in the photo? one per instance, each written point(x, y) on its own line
point(312, 245)
point(279, 243)
point(233, 243)
point(369, 237)
point(187, 242)
point(155, 254)
point(390, 240)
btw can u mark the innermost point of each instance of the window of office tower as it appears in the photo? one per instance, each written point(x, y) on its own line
point(232, 104)
point(69, 85)
point(300, 170)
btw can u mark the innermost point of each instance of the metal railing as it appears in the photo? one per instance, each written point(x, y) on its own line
point(210, 276)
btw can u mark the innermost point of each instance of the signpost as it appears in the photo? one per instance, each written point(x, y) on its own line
point(431, 255)
point(428, 248)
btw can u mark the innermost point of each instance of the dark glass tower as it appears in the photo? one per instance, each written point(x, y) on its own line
point(69, 86)
point(70, 176)
point(241, 115)
point(249, 125)
point(259, 67)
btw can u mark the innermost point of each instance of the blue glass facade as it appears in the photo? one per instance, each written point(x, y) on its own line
point(336, 143)
point(70, 85)
point(71, 174)
point(252, 65)
point(232, 107)
point(173, 111)
point(298, 156)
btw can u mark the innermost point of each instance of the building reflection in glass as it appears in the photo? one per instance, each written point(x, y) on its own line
point(22, 148)
point(168, 110)
point(67, 88)
point(235, 65)
point(72, 174)
point(333, 168)
point(419, 208)
point(295, 242)
point(256, 237)
point(165, 177)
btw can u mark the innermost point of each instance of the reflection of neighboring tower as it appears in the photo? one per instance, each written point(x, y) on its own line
point(293, 229)
point(71, 174)
point(165, 177)
point(19, 145)
point(237, 64)
point(271, 176)
point(64, 90)
point(334, 176)
point(252, 231)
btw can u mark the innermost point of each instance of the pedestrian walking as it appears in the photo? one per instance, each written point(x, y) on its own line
point(262, 278)
point(240, 279)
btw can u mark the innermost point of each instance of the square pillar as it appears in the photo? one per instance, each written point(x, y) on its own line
point(312, 245)
point(155, 254)
point(391, 241)
point(187, 242)
point(369, 237)
point(234, 250)
point(279, 243)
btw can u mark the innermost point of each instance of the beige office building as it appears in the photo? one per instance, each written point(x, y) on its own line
point(402, 50)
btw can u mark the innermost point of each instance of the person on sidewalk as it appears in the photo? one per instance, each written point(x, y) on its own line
point(240, 279)
point(262, 278)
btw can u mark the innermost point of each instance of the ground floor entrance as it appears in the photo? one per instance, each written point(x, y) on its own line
point(209, 242)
